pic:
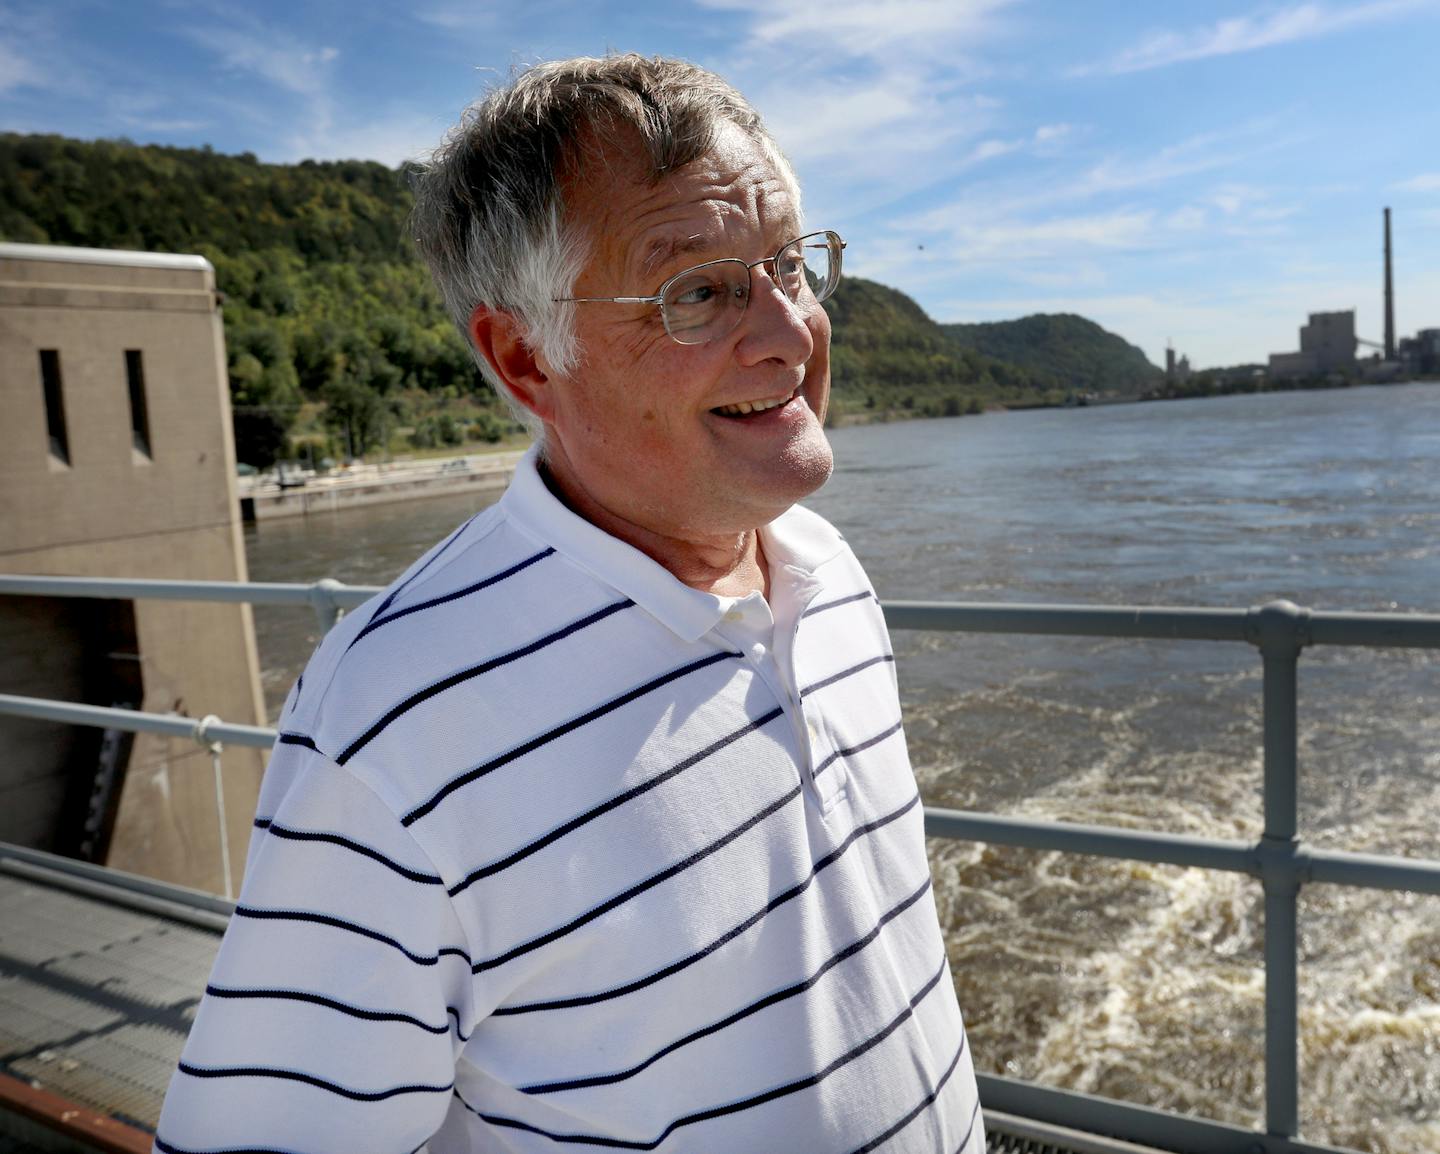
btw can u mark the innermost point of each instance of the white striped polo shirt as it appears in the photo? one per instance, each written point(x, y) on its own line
point(544, 859)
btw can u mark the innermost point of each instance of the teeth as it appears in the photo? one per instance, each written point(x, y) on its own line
point(746, 407)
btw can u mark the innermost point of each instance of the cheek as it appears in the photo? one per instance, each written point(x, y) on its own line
point(819, 326)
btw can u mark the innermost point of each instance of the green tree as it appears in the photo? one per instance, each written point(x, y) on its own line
point(354, 414)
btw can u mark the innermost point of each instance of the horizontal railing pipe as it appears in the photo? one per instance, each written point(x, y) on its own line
point(1095, 840)
point(1388, 630)
point(1069, 620)
point(1371, 630)
point(1371, 871)
point(133, 721)
point(255, 592)
point(1330, 866)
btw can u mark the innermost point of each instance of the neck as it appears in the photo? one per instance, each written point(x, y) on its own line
point(727, 564)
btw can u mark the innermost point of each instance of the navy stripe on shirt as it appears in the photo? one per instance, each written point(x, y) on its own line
point(844, 673)
point(861, 596)
point(729, 935)
point(615, 802)
point(561, 730)
point(415, 576)
point(280, 831)
point(349, 927)
point(925, 1104)
point(731, 1107)
point(310, 1080)
point(473, 671)
point(338, 1006)
point(474, 587)
point(857, 748)
point(739, 1015)
point(166, 1148)
point(638, 888)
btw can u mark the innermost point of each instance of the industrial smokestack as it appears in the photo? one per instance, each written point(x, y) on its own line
point(1389, 297)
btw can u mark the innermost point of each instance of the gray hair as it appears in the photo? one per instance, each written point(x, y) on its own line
point(489, 215)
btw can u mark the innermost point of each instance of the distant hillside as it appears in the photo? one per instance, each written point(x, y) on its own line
point(332, 326)
point(889, 356)
point(1071, 352)
point(336, 336)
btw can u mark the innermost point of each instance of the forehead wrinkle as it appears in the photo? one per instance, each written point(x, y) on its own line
point(646, 224)
point(666, 249)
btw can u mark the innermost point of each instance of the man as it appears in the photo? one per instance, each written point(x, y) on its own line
point(597, 828)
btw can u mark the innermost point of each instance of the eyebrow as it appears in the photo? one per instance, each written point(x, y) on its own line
point(665, 250)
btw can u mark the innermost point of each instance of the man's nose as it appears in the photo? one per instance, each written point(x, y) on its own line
point(774, 327)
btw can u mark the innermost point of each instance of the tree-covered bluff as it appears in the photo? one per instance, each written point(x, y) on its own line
point(1066, 350)
point(337, 338)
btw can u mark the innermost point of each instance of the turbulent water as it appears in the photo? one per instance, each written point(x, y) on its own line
point(1134, 981)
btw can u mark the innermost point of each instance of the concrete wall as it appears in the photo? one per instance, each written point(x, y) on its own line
point(112, 510)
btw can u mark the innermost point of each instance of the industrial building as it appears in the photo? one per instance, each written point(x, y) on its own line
point(1327, 345)
point(1420, 354)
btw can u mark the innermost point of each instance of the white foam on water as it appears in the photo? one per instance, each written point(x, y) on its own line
point(1154, 990)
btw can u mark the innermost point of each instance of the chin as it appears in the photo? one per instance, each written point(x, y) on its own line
point(808, 466)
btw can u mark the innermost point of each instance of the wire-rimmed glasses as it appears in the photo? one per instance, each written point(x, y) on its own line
point(706, 302)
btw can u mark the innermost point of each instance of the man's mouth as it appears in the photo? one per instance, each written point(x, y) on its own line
point(746, 408)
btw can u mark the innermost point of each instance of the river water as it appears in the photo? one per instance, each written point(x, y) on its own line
point(1133, 981)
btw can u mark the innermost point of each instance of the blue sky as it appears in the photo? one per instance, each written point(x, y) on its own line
point(1202, 173)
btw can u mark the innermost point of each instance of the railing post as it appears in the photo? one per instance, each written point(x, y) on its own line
point(322, 600)
point(1280, 629)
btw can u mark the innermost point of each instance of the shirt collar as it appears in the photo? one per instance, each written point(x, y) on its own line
point(798, 538)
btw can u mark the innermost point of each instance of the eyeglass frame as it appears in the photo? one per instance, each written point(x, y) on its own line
point(750, 266)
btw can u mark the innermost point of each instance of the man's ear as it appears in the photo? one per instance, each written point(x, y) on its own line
point(497, 334)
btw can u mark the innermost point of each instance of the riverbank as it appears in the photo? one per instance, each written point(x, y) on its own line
point(267, 498)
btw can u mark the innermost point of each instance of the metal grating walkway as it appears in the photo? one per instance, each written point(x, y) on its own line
point(95, 997)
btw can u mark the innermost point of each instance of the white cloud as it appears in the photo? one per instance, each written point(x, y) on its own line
point(1425, 182)
point(268, 53)
point(954, 238)
point(1048, 132)
point(834, 118)
point(1203, 152)
point(858, 146)
point(1188, 218)
point(391, 140)
point(870, 100)
point(17, 71)
point(1123, 228)
point(478, 21)
point(1248, 34)
point(989, 149)
point(912, 30)
point(1118, 174)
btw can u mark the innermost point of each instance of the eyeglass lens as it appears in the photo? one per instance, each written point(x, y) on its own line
point(708, 301)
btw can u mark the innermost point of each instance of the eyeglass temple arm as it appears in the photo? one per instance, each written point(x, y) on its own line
point(609, 300)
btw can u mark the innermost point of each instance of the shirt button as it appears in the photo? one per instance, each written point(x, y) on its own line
point(814, 731)
point(734, 615)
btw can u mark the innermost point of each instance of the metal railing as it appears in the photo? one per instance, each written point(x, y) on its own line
point(1279, 860)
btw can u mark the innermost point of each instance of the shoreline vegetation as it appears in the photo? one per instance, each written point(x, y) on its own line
point(339, 348)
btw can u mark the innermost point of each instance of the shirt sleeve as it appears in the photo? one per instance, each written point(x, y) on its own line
point(340, 997)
